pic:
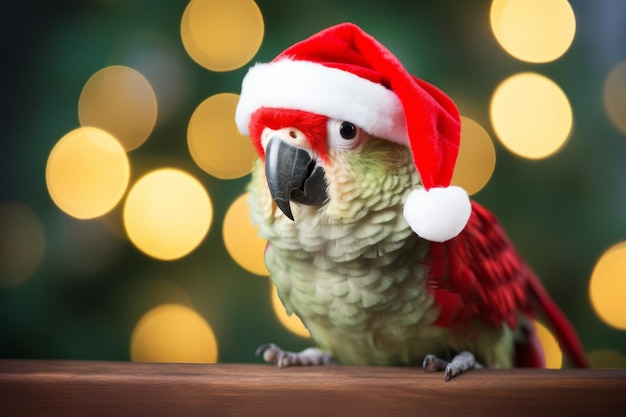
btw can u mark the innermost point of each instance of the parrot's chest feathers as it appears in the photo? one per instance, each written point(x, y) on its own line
point(359, 289)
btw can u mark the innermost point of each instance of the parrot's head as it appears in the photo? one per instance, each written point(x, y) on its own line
point(343, 127)
point(314, 160)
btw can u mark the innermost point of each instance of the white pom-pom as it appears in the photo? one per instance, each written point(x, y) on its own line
point(438, 214)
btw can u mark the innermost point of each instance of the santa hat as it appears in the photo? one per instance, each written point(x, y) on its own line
point(346, 74)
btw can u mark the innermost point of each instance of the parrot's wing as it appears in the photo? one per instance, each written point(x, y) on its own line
point(479, 275)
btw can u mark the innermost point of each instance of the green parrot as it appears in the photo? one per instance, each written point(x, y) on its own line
point(383, 261)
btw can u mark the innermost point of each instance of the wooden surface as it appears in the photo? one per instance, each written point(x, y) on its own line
point(74, 388)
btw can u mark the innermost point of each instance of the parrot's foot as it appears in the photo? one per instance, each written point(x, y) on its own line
point(311, 356)
point(462, 362)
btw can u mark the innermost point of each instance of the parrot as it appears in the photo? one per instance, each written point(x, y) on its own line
point(349, 146)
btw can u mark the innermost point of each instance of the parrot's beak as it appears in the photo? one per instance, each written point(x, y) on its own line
point(293, 175)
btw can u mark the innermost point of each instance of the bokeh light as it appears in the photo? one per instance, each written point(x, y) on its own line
point(290, 321)
point(87, 172)
point(222, 35)
point(121, 101)
point(214, 141)
point(167, 213)
point(22, 243)
point(173, 333)
point(606, 358)
point(551, 349)
point(477, 157)
point(615, 96)
point(243, 243)
point(535, 31)
point(531, 115)
point(607, 287)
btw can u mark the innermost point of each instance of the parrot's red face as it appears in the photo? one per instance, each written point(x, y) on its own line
point(302, 129)
point(295, 146)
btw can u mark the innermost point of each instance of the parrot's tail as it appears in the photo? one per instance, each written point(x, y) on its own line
point(565, 334)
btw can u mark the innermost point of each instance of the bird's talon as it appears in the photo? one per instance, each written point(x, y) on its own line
point(433, 364)
point(261, 349)
point(462, 362)
point(450, 372)
point(283, 359)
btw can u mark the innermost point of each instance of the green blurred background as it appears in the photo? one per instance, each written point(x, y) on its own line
point(92, 286)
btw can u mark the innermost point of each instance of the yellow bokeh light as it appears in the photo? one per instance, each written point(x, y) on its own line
point(290, 321)
point(222, 35)
point(531, 115)
point(173, 333)
point(167, 213)
point(87, 173)
point(243, 243)
point(606, 358)
point(214, 141)
point(551, 349)
point(615, 96)
point(535, 31)
point(607, 287)
point(477, 157)
point(22, 243)
point(121, 101)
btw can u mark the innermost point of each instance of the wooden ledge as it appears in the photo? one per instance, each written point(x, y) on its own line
point(68, 388)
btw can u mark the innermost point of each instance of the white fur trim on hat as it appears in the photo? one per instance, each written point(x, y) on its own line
point(438, 214)
point(313, 87)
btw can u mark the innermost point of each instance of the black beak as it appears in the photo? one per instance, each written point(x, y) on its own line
point(292, 175)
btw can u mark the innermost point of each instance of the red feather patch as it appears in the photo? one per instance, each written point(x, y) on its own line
point(479, 275)
point(313, 126)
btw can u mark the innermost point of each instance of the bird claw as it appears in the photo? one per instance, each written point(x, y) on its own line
point(433, 364)
point(273, 354)
point(312, 356)
point(462, 362)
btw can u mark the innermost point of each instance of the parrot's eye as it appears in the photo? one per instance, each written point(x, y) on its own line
point(344, 135)
point(347, 130)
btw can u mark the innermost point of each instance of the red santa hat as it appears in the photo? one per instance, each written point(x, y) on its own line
point(346, 74)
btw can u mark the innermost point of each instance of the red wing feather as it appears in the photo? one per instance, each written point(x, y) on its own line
point(479, 275)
